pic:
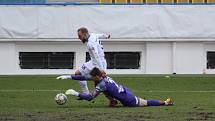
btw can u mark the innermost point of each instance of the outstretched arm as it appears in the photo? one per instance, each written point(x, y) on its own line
point(103, 36)
point(74, 77)
point(85, 96)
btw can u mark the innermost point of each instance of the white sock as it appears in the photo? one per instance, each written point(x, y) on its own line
point(84, 87)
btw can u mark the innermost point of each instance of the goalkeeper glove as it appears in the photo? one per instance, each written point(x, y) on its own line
point(72, 92)
point(64, 77)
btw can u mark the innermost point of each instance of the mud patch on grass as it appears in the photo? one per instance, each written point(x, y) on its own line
point(193, 116)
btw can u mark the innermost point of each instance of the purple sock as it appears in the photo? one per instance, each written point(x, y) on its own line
point(154, 103)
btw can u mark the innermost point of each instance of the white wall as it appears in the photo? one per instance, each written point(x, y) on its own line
point(9, 53)
point(189, 58)
point(7, 57)
point(159, 57)
point(168, 37)
point(121, 21)
point(156, 57)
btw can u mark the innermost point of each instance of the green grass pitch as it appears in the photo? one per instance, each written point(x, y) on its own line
point(31, 98)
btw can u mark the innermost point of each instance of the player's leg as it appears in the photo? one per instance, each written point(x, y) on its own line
point(83, 84)
point(104, 67)
point(104, 64)
point(143, 102)
point(85, 71)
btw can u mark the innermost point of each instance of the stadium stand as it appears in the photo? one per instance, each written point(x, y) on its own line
point(72, 1)
point(22, 1)
point(210, 1)
point(121, 1)
point(108, 1)
point(151, 1)
point(105, 1)
point(167, 1)
point(136, 1)
point(183, 1)
point(198, 1)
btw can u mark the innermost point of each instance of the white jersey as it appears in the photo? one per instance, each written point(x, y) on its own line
point(96, 50)
point(96, 53)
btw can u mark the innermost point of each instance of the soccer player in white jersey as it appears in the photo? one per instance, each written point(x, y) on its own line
point(96, 53)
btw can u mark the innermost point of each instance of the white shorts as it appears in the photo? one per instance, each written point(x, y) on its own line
point(88, 66)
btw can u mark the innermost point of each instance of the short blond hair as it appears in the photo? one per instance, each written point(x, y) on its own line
point(83, 29)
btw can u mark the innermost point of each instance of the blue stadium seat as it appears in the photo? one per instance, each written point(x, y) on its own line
point(22, 1)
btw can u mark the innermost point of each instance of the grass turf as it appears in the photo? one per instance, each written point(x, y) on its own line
point(32, 98)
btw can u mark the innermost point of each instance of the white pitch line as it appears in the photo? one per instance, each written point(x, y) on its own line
point(150, 91)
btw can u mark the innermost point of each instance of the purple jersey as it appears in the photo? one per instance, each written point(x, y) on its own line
point(112, 89)
point(119, 92)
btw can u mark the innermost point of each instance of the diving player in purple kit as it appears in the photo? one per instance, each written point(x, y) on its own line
point(118, 92)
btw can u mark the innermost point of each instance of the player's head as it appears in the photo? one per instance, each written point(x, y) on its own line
point(96, 74)
point(83, 34)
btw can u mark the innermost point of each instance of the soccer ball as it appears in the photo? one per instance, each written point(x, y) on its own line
point(60, 99)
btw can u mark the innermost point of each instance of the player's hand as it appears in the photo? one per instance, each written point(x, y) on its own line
point(71, 92)
point(63, 77)
point(113, 103)
point(108, 36)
